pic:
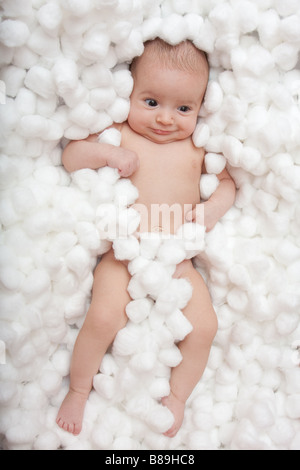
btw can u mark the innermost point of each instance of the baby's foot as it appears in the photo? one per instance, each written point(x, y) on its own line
point(70, 415)
point(176, 406)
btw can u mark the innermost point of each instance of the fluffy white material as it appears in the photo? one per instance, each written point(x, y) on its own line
point(63, 67)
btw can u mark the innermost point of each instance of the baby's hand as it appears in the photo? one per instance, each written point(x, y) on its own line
point(204, 215)
point(126, 161)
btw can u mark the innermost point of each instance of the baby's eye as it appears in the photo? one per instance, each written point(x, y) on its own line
point(152, 103)
point(184, 109)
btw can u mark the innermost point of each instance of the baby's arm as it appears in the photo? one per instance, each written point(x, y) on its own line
point(89, 153)
point(217, 205)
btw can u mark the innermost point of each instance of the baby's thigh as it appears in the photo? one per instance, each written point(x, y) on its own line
point(111, 279)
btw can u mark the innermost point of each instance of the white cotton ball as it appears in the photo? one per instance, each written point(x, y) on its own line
point(120, 31)
point(105, 385)
point(123, 83)
point(110, 136)
point(61, 361)
point(201, 135)
point(50, 382)
point(143, 361)
point(126, 249)
point(247, 15)
point(13, 78)
point(96, 42)
point(171, 252)
point(102, 98)
point(226, 393)
point(26, 102)
point(96, 76)
point(76, 7)
point(286, 56)
point(154, 278)
point(268, 28)
point(262, 414)
point(149, 244)
point(40, 81)
point(159, 387)
point(119, 110)
point(83, 115)
point(102, 437)
point(125, 192)
point(179, 325)
point(33, 397)
point(286, 252)
point(11, 278)
point(259, 61)
point(170, 357)
point(232, 150)
point(264, 201)
point(88, 235)
point(252, 374)
point(78, 260)
point(47, 440)
point(213, 97)
point(268, 356)
point(290, 28)
point(214, 163)
point(127, 340)
point(237, 299)
point(36, 283)
point(250, 158)
point(239, 275)
point(194, 24)
point(128, 222)
point(193, 237)
point(49, 16)
point(132, 47)
point(108, 365)
point(282, 432)
point(14, 33)
point(205, 39)
point(138, 310)
point(43, 44)
point(106, 221)
point(233, 109)
point(175, 295)
point(247, 226)
point(151, 28)
point(286, 323)
point(173, 29)
point(8, 390)
point(160, 419)
point(293, 406)
point(208, 185)
point(65, 76)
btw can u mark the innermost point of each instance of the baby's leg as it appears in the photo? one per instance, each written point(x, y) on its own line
point(105, 317)
point(194, 348)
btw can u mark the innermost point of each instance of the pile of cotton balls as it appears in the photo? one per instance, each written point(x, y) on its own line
point(64, 75)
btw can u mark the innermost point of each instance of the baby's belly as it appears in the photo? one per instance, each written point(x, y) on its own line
point(162, 217)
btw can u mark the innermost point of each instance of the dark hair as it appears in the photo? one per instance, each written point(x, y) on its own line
point(184, 56)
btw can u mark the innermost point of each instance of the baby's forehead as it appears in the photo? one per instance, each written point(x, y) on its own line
point(184, 56)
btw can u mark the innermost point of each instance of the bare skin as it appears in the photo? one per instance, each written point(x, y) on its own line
point(158, 155)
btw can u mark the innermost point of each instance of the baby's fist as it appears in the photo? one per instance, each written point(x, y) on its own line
point(125, 161)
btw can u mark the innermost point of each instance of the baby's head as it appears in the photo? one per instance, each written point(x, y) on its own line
point(169, 87)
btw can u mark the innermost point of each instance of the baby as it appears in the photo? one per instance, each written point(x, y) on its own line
point(158, 155)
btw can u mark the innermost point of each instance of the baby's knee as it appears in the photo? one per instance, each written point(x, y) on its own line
point(206, 330)
point(103, 321)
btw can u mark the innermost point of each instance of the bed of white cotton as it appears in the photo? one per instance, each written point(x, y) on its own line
point(64, 75)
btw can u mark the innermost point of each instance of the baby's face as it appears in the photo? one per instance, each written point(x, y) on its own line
point(165, 102)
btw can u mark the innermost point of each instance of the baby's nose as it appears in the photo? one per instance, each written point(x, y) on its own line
point(165, 117)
